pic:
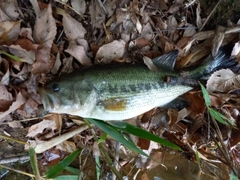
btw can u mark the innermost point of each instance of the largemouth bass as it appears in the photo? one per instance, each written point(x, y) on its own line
point(123, 92)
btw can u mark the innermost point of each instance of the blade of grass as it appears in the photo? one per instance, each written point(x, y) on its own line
point(33, 160)
point(134, 130)
point(72, 170)
point(11, 56)
point(205, 96)
point(54, 170)
point(68, 177)
point(98, 165)
point(115, 134)
point(216, 115)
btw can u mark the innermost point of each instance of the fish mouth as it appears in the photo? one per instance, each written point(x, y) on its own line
point(50, 102)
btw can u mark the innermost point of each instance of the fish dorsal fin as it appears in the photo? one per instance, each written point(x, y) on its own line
point(166, 61)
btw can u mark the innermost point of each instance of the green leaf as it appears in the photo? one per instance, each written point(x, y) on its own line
point(128, 128)
point(205, 96)
point(68, 177)
point(233, 177)
point(113, 132)
point(73, 170)
point(216, 115)
point(103, 138)
point(220, 117)
point(32, 160)
point(54, 170)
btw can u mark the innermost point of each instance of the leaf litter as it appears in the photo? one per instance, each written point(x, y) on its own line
point(60, 37)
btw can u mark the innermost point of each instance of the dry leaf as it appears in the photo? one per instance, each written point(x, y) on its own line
point(27, 33)
point(236, 49)
point(45, 28)
point(79, 53)
point(189, 31)
point(97, 15)
point(30, 106)
point(57, 64)
point(43, 62)
point(23, 54)
point(4, 94)
point(150, 64)
point(79, 6)
point(20, 99)
point(10, 10)
point(218, 39)
point(9, 31)
point(67, 65)
point(40, 127)
point(147, 32)
point(223, 81)
point(4, 73)
point(26, 44)
point(111, 51)
point(67, 146)
point(198, 19)
point(203, 35)
point(72, 28)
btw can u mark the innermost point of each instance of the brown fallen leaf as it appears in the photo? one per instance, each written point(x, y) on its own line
point(45, 28)
point(73, 29)
point(223, 81)
point(20, 100)
point(79, 6)
point(79, 53)
point(4, 72)
point(23, 54)
point(39, 127)
point(10, 10)
point(111, 51)
point(6, 98)
point(26, 33)
point(9, 32)
point(44, 62)
point(26, 44)
point(218, 39)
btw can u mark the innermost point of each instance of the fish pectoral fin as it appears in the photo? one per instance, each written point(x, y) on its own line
point(166, 61)
point(113, 104)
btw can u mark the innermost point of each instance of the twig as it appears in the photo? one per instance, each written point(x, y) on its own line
point(116, 158)
point(205, 22)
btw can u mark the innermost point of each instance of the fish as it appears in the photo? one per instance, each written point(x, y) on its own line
point(124, 91)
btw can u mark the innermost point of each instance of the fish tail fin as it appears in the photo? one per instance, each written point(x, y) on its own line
point(211, 64)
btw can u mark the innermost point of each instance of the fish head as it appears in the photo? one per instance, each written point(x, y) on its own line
point(60, 96)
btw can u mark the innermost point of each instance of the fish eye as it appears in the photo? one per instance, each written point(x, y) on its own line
point(55, 87)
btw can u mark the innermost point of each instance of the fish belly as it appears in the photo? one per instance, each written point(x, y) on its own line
point(125, 106)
